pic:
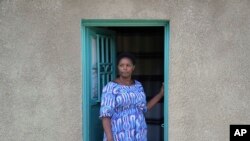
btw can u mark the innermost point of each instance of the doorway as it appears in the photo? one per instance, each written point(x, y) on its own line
point(102, 42)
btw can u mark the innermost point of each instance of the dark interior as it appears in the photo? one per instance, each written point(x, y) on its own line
point(147, 44)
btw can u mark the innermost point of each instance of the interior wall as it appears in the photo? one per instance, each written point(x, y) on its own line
point(40, 65)
point(146, 43)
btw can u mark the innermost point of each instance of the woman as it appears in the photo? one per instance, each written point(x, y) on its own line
point(123, 104)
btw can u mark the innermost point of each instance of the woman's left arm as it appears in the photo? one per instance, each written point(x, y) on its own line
point(156, 98)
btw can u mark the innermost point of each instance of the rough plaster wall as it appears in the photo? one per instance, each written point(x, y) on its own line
point(40, 72)
point(40, 65)
point(209, 69)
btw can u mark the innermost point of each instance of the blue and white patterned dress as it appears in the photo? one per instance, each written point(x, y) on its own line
point(125, 106)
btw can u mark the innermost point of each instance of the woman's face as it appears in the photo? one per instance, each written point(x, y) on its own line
point(125, 67)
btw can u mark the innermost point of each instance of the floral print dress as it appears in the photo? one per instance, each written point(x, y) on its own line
point(125, 105)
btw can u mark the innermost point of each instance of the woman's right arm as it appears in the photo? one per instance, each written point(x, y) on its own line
point(106, 122)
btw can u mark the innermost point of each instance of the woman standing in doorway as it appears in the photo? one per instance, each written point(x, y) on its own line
point(123, 104)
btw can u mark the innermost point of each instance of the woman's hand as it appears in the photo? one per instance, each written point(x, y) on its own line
point(156, 98)
point(162, 90)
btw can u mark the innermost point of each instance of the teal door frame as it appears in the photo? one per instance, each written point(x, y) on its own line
point(86, 63)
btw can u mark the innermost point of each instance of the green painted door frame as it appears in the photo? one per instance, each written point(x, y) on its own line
point(86, 63)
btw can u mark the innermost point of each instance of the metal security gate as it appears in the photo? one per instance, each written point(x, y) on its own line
point(105, 65)
point(99, 70)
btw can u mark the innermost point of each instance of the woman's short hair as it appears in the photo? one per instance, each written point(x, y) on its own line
point(128, 55)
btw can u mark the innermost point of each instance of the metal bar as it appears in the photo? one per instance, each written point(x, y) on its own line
point(102, 49)
point(105, 63)
point(98, 67)
point(107, 50)
point(109, 72)
point(113, 61)
point(103, 80)
point(107, 57)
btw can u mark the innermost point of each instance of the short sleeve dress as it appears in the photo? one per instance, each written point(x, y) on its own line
point(125, 105)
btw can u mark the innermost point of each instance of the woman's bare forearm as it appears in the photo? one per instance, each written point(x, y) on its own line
point(154, 101)
point(106, 122)
point(156, 98)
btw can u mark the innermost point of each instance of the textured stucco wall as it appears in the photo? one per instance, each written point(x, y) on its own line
point(40, 65)
point(209, 69)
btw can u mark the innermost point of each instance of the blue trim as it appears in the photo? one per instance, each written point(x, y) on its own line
point(122, 22)
point(166, 79)
point(84, 73)
point(86, 70)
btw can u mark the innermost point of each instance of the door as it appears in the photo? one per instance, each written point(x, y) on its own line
point(95, 74)
point(100, 54)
